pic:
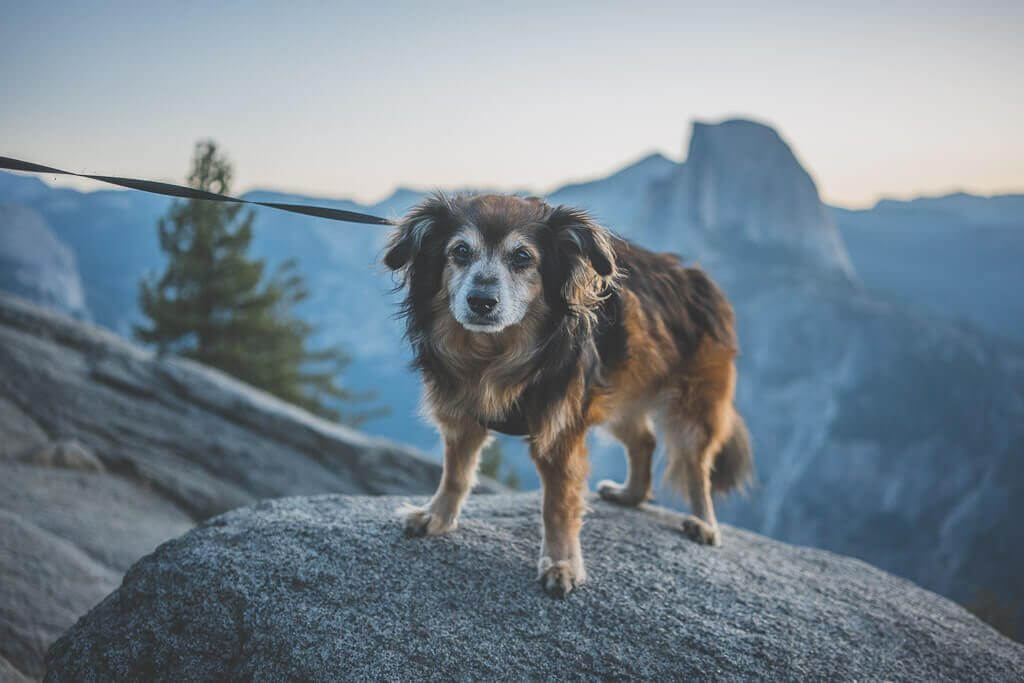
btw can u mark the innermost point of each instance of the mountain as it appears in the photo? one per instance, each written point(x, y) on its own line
point(883, 428)
point(112, 234)
point(36, 264)
point(742, 182)
point(22, 189)
point(740, 189)
point(625, 195)
point(958, 256)
point(1006, 209)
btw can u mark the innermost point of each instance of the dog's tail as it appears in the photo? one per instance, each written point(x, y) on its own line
point(733, 467)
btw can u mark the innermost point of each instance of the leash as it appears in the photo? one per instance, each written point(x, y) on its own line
point(170, 190)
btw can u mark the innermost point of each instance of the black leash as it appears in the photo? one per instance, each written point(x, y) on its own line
point(191, 193)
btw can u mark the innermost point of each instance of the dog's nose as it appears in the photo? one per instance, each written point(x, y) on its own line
point(481, 304)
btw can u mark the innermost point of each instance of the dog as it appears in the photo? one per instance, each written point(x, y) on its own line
point(533, 320)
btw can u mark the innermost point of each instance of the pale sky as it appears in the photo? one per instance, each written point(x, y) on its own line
point(352, 100)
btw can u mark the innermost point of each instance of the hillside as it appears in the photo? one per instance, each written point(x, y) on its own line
point(328, 588)
point(107, 451)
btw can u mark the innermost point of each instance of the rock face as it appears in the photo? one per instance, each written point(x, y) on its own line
point(742, 181)
point(36, 264)
point(107, 451)
point(327, 588)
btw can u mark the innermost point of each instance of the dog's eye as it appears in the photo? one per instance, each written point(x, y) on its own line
point(460, 254)
point(521, 258)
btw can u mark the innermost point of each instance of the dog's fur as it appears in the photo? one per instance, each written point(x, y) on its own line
point(585, 328)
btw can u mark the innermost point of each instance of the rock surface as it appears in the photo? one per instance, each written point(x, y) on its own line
point(107, 451)
point(328, 588)
point(36, 264)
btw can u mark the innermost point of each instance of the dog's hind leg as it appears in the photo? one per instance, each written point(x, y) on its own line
point(637, 434)
point(691, 451)
point(462, 444)
point(699, 419)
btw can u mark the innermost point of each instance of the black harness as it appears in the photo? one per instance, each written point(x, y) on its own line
point(514, 424)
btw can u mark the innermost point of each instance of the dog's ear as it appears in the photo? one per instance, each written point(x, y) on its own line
point(585, 258)
point(415, 229)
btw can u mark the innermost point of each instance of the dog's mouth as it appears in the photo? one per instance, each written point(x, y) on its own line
point(483, 323)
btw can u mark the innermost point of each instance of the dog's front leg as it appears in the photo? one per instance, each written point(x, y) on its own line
point(462, 443)
point(563, 473)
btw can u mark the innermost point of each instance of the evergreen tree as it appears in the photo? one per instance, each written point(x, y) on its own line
point(491, 465)
point(214, 305)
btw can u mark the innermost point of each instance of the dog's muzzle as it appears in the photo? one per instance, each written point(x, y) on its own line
point(483, 304)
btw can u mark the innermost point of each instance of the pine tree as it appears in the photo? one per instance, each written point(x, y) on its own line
point(491, 464)
point(214, 305)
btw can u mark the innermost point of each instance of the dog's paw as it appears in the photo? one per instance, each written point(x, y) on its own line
point(699, 531)
point(617, 493)
point(559, 578)
point(422, 522)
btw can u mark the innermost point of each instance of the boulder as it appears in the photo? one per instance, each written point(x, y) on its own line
point(328, 588)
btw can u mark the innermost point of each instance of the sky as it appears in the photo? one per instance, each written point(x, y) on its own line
point(338, 99)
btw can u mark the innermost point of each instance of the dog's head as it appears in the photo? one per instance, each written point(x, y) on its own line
point(495, 258)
